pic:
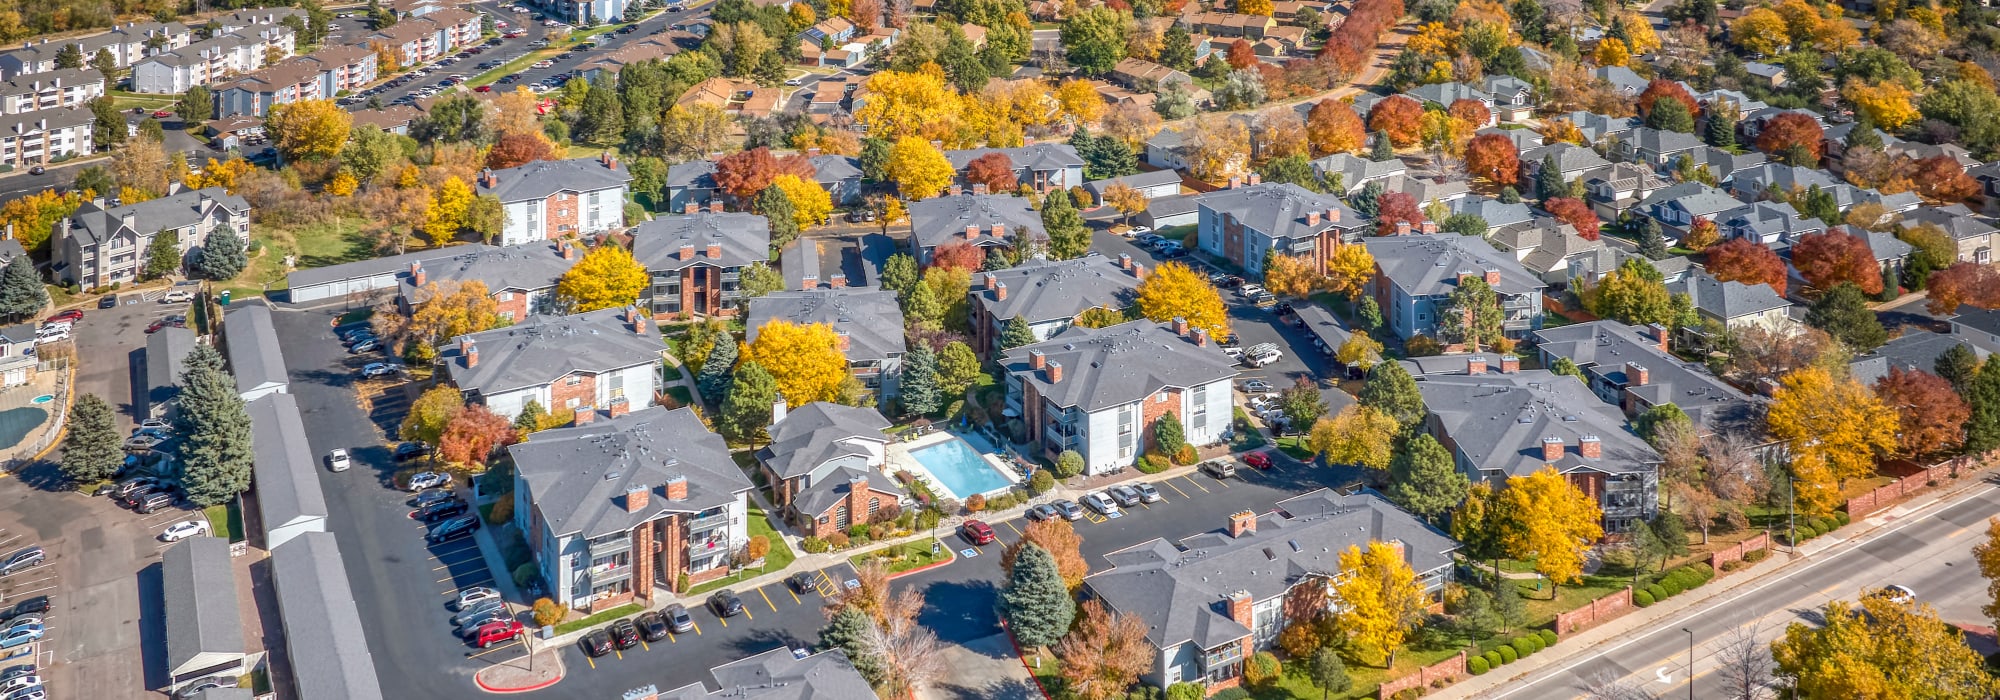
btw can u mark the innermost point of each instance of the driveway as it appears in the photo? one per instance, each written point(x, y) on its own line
point(112, 350)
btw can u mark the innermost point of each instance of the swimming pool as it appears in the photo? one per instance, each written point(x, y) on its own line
point(959, 468)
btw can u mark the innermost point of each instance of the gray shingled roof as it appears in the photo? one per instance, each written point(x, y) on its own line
point(323, 630)
point(1323, 325)
point(1727, 300)
point(1425, 265)
point(941, 220)
point(1570, 157)
point(1493, 211)
point(1695, 198)
point(1041, 156)
point(199, 587)
point(1354, 170)
point(1181, 593)
point(252, 340)
point(699, 174)
point(542, 349)
point(1153, 178)
point(166, 351)
point(1982, 320)
point(1784, 177)
point(542, 178)
point(1603, 348)
point(284, 472)
point(818, 432)
point(1498, 421)
point(835, 487)
point(1723, 164)
point(93, 224)
point(1443, 94)
point(1117, 365)
point(1550, 243)
point(1661, 141)
point(1959, 226)
point(577, 477)
point(745, 239)
point(778, 675)
point(1914, 349)
point(1046, 290)
point(870, 318)
point(21, 84)
point(362, 269)
point(831, 168)
point(1279, 210)
point(528, 266)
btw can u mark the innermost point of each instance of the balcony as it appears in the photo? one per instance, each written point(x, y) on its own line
point(707, 522)
point(607, 546)
point(609, 573)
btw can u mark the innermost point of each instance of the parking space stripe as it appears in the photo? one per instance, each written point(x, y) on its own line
point(723, 620)
point(619, 652)
point(795, 596)
point(643, 644)
point(747, 615)
point(672, 638)
point(593, 662)
point(1177, 489)
point(767, 599)
point(490, 650)
point(1196, 484)
point(697, 627)
point(1017, 531)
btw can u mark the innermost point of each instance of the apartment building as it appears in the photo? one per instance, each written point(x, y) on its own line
point(212, 60)
point(127, 43)
point(1101, 391)
point(573, 365)
point(696, 260)
point(73, 88)
point(33, 138)
point(98, 246)
point(1049, 295)
point(1415, 276)
point(555, 198)
point(1243, 223)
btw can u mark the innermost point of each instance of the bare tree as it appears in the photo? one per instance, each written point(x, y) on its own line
point(1735, 473)
point(910, 654)
point(1605, 686)
point(1744, 665)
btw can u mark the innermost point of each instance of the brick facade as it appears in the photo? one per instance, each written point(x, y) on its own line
point(1152, 409)
point(561, 392)
point(560, 214)
point(511, 304)
point(1232, 241)
point(642, 560)
point(672, 549)
point(857, 510)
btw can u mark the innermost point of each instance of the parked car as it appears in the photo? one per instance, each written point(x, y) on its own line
point(496, 632)
point(31, 606)
point(183, 530)
point(23, 560)
point(652, 626)
point(1147, 493)
point(1148, 240)
point(1264, 300)
point(428, 480)
point(1248, 290)
point(155, 423)
point(1068, 509)
point(725, 603)
point(35, 693)
point(624, 634)
point(461, 526)
point(366, 345)
point(156, 501)
point(976, 532)
point(433, 496)
point(1101, 503)
point(408, 451)
point(800, 582)
point(1260, 459)
point(1220, 467)
point(23, 634)
point(595, 644)
point(18, 671)
point(1043, 511)
point(1257, 386)
point(477, 609)
point(1126, 496)
point(381, 369)
point(51, 334)
point(175, 321)
point(440, 510)
point(108, 301)
point(474, 596)
point(337, 460)
point(20, 683)
point(178, 296)
point(677, 618)
point(68, 316)
point(1896, 593)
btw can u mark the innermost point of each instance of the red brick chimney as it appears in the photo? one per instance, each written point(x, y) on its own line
point(584, 415)
point(838, 281)
point(1333, 215)
point(1256, 179)
point(1510, 364)
point(1242, 522)
point(997, 230)
point(1180, 326)
point(1402, 228)
point(971, 231)
point(1235, 182)
point(1312, 218)
point(1054, 369)
point(715, 206)
point(1636, 374)
point(957, 189)
point(1492, 276)
point(1430, 227)
point(620, 406)
point(715, 249)
point(1660, 333)
point(687, 251)
point(1125, 261)
point(1037, 360)
point(417, 276)
point(638, 322)
point(1590, 447)
point(1200, 337)
point(636, 498)
point(1475, 364)
point(568, 251)
point(808, 282)
point(1000, 291)
point(691, 208)
point(1240, 605)
point(471, 351)
point(1139, 271)
point(842, 340)
point(677, 488)
point(1552, 448)
point(988, 279)
point(979, 188)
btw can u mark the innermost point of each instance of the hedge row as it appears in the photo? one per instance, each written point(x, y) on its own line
point(1814, 527)
point(1510, 652)
point(1680, 579)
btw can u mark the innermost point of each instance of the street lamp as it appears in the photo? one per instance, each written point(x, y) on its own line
point(1690, 662)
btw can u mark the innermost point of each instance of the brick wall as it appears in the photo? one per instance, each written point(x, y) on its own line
point(1448, 669)
point(642, 560)
point(1735, 552)
point(1917, 480)
point(1597, 612)
point(559, 214)
point(672, 549)
point(512, 304)
point(561, 391)
point(1151, 409)
point(1232, 241)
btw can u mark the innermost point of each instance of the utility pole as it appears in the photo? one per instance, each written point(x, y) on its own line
point(1690, 662)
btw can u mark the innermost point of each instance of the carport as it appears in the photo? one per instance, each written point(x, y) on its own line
point(289, 499)
point(324, 639)
point(204, 627)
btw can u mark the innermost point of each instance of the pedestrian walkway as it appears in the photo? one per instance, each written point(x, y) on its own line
point(524, 673)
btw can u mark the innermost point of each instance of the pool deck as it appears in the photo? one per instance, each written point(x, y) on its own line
point(899, 459)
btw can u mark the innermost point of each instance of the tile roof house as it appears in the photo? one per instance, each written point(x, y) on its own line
point(982, 220)
point(1100, 391)
point(324, 637)
point(1633, 368)
point(203, 624)
point(555, 198)
point(779, 674)
point(1048, 295)
point(616, 507)
point(521, 279)
point(1913, 350)
point(607, 359)
point(1416, 274)
point(1241, 224)
point(1514, 423)
point(1734, 304)
point(1356, 172)
point(1042, 166)
point(869, 322)
point(824, 464)
point(1212, 600)
point(695, 260)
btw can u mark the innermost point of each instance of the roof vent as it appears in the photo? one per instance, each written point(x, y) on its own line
point(612, 476)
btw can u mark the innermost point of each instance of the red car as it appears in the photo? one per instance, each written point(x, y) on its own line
point(162, 114)
point(1260, 460)
point(483, 88)
point(70, 316)
point(976, 532)
point(496, 631)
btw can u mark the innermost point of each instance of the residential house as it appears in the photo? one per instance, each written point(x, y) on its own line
point(1416, 274)
point(1355, 172)
point(1444, 94)
point(1773, 179)
point(839, 175)
point(1523, 139)
point(1049, 295)
point(824, 465)
point(981, 220)
point(1915, 349)
point(1977, 327)
point(1042, 166)
point(1615, 190)
point(1735, 305)
point(1753, 121)
point(1151, 185)
point(1516, 422)
point(1677, 206)
point(40, 137)
point(691, 183)
point(1626, 81)
point(1771, 223)
point(695, 260)
point(616, 507)
point(1714, 99)
point(555, 198)
point(1988, 177)
point(1244, 223)
point(608, 359)
point(868, 321)
point(74, 87)
point(1633, 368)
point(99, 246)
point(1427, 190)
point(1230, 24)
point(1571, 160)
point(1655, 147)
point(1976, 239)
point(828, 94)
point(1210, 601)
point(1725, 165)
point(1772, 76)
point(1513, 98)
point(521, 279)
point(1101, 391)
point(1597, 127)
point(1499, 216)
point(395, 119)
point(1553, 251)
point(1146, 76)
point(779, 674)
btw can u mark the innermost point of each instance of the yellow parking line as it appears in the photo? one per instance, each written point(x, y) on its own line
point(723, 620)
point(490, 650)
point(593, 662)
point(748, 616)
point(1223, 482)
point(1177, 489)
point(672, 638)
point(767, 599)
point(1017, 531)
point(1196, 484)
point(697, 628)
point(619, 652)
point(642, 643)
point(795, 596)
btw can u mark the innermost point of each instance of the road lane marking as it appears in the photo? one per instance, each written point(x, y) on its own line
point(767, 599)
point(1177, 489)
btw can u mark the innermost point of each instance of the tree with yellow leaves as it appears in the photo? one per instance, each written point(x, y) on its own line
point(308, 130)
point(446, 215)
point(1639, 36)
point(1837, 430)
point(1288, 276)
point(607, 277)
point(917, 168)
point(1802, 21)
point(1988, 555)
point(811, 205)
point(1360, 352)
point(1886, 103)
point(1217, 147)
point(1358, 435)
point(446, 310)
point(1254, 7)
point(1434, 39)
point(1080, 102)
point(916, 103)
point(1611, 52)
point(1879, 650)
point(343, 184)
point(1380, 601)
point(1175, 291)
point(1349, 268)
point(1760, 30)
point(1550, 522)
point(219, 174)
point(805, 360)
point(1835, 34)
point(1128, 200)
point(1559, 129)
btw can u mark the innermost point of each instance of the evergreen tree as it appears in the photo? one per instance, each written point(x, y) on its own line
point(1982, 429)
point(1863, 135)
point(1168, 435)
point(1564, 365)
point(1671, 115)
point(1036, 603)
point(1016, 333)
point(1382, 150)
point(875, 160)
point(1844, 314)
point(1721, 132)
point(995, 260)
point(713, 382)
point(1959, 366)
point(1068, 238)
point(1368, 200)
point(1549, 181)
point(91, 448)
point(602, 118)
point(1509, 195)
point(222, 255)
point(849, 631)
point(1390, 389)
point(69, 57)
point(1889, 288)
point(21, 290)
point(921, 305)
point(899, 275)
point(163, 255)
point(1368, 313)
point(1177, 49)
point(216, 452)
point(776, 206)
point(920, 391)
point(531, 418)
point(1423, 479)
point(747, 411)
point(1652, 243)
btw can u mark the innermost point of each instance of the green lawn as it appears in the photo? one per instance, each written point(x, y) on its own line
point(681, 395)
point(906, 556)
point(314, 245)
point(672, 372)
point(1294, 446)
point(600, 618)
point(1178, 233)
point(225, 520)
point(781, 555)
point(510, 67)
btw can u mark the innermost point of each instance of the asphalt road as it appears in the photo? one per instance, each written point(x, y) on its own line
point(1931, 552)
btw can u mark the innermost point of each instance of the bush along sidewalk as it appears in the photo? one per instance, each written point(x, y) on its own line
point(1515, 650)
point(1813, 527)
point(1680, 579)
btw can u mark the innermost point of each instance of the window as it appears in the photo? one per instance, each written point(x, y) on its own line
point(572, 380)
point(573, 403)
point(1199, 421)
point(874, 504)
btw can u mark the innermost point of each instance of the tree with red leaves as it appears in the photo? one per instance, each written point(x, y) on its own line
point(1662, 87)
point(473, 434)
point(1574, 212)
point(1963, 283)
point(1241, 55)
point(1472, 111)
point(1788, 130)
point(1494, 157)
point(1827, 259)
point(1353, 43)
point(515, 149)
point(1940, 180)
point(964, 256)
point(1398, 116)
point(1396, 207)
point(1333, 127)
point(1739, 260)
point(747, 173)
point(1931, 415)
point(994, 170)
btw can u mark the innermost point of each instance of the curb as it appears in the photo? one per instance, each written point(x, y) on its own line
point(508, 691)
point(1018, 656)
point(927, 567)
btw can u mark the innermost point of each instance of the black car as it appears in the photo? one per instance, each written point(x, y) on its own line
point(595, 644)
point(109, 301)
point(440, 510)
point(625, 634)
point(652, 626)
point(677, 618)
point(725, 603)
point(32, 606)
point(409, 451)
point(461, 526)
point(432, 496)
point(800, 582)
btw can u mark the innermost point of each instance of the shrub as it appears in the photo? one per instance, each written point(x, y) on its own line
point(525, 574)
point(1522, 646)
point(857, 530)
point(1756, 555)
point(1820, 525)
point(1842, 517)
point(928, 518)
point(1263, 670)
point(758, 546)
point(1186, 691)
point(975, 503)
point(1185, 456)
point(1231, 694)
point(502, 511)
point(814, 545)
point(1492, 658)
point(1672, 586)
point(1041, 482)
point(1477, 665)
point(1548, 638)
point(1657, 592)
point(1508, 655)
point(838, 540)
point(1732, 565)
point(548, 612)
point(1152, 464)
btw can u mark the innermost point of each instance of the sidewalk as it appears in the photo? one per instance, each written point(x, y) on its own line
point(1573, 648)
